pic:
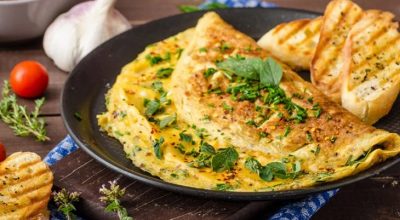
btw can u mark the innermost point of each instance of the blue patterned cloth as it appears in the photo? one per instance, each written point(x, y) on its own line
point(299, 210)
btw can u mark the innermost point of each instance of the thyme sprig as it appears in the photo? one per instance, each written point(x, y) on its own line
point(111, 196)
point(17, 117)
point(64, 200)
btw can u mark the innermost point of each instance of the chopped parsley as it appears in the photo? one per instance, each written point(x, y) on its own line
point(154, 59)
point(227, 107)
point(78, 116)
point(167, 121)
point(287, 131)
point(224, 47)
point(309, 136)
point(351, 161)
point(203, 50)
point(152, 106)
point(317, 110)
point(251, 122)
point(157, 147)
point(223, 187)
point(163, 73)
point(209, 72)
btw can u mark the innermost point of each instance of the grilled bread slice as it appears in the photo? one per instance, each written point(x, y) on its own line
point(293, 43)
point(371, 72)
point(328, 60)
point(25, 187)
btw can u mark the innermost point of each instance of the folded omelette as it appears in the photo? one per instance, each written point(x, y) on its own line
point(208, 108)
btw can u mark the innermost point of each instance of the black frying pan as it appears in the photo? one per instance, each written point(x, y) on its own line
point(85, 88)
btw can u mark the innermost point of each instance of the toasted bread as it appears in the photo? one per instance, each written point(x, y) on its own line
point(328, 60)
point(293, 43)
point(371, 72)
point(25, 188)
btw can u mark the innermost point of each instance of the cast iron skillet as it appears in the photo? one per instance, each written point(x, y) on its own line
point(85, 88)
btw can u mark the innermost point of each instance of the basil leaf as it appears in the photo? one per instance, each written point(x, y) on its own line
point(207, 148)
point(224, 159)
point(266, 174)
point(186, 137)
point(278, 169)
point(157, 147)
point(247, 68)
point(252, 164)
point(167, 121)
point(274, 70)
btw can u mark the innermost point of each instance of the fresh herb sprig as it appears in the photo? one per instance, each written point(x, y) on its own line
point(272, 170)
point(65, 202)
point(268, 72)
point(193, 8)
point(111, 196)
point(17, 117)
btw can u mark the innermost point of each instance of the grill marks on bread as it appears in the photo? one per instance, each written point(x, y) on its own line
point(372, 68)
point(25, 186)
point(328, 60)
point(293, 43)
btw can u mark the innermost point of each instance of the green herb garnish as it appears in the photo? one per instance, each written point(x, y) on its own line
point(227, 107)
point(224, 159)
point(209, 72)
point(272, 170)
point(287, 131)
point(78, 116)
point(223, 187)
point(167, 121)
point(157, 147)
point(111, 196)
point(252, 164)
point(17, 117)
point(152, 106)
point(268, 72)
point(65, 202)
point(186, 137)
point(164, 72)
point(193, 8)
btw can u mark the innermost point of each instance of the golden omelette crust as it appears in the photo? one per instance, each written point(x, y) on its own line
point(323, 144)
point(26, 186)
point(328, 60)
point(195, 96)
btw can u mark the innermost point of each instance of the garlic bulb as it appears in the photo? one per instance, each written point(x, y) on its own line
point(77, 32)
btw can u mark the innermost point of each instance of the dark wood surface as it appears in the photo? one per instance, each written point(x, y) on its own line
point(375, 198)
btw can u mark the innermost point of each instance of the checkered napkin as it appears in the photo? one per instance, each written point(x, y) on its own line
point(299, 210)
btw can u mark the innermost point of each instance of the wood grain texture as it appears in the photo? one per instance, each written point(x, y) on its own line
point(374, 198)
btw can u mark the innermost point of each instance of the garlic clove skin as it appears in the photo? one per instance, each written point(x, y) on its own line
point(77, 32)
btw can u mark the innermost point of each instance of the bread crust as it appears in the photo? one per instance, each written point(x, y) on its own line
point(293, 43)
point(328, 60)
point(26, 188)
point(371, 77)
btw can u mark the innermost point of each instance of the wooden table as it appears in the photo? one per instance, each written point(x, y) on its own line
point(375, 198)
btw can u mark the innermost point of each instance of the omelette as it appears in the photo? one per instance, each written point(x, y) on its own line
point(208, 108)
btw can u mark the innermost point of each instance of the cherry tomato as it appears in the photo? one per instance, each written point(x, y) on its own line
point(2, 152)
point(29, 79)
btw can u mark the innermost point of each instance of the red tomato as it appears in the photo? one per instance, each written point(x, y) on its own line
point(29, 79)
point(2, 152)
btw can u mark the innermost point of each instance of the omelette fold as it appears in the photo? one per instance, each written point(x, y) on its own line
point(185, 117)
